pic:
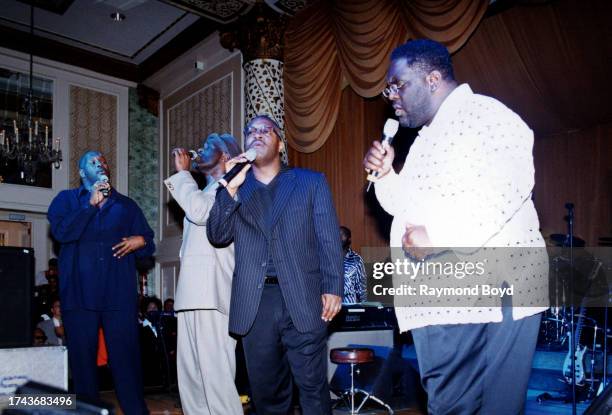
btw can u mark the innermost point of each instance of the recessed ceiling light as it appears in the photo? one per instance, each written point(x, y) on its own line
point(118, 17)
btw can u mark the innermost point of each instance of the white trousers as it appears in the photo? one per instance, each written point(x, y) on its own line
point(206, 364)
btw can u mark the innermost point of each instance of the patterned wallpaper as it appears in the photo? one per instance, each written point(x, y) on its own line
point(143, 166)
point(143, 156)
point(208, 111)
point(93, 126)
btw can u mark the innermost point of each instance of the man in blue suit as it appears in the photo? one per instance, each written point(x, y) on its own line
point(288, 277)
point(101, 233)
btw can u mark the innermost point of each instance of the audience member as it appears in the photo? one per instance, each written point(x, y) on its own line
point(39, 338)
point(169, 305)
point(42, 276)
point(355, 283)
point(53, 326)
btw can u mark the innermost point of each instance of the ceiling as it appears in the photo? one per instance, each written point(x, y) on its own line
point(87, 24)
point(153, 32)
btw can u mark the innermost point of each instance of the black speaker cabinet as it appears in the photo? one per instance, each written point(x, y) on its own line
point(601, 405)
point(16, 294)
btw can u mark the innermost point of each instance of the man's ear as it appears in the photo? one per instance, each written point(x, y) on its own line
point(281, 145)
point(434, 78)
point(82, 173)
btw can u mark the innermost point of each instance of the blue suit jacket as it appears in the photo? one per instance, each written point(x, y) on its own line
point(304, 240)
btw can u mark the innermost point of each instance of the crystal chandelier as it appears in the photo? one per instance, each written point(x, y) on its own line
point(28, 142)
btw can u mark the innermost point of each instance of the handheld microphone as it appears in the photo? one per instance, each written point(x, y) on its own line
point(389, 131)
point(250, 155)
point(193, 155)
point(106, 190)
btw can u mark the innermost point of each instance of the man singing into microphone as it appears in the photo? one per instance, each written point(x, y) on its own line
point(288, 276)
point(466, 182)
point(206, 360)
point(100, 238)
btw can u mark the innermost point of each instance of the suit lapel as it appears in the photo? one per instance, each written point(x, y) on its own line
point(283, 192)
point(251, 200)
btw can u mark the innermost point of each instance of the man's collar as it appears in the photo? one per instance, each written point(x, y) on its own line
point(282, 172)
point(455, 100)
point(212, 186)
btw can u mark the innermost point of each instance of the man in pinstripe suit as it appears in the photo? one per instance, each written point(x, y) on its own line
point(288, 275)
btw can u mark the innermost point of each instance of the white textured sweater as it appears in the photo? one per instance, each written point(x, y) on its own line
point(468, 179)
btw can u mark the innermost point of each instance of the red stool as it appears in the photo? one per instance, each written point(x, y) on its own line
point(355, 356)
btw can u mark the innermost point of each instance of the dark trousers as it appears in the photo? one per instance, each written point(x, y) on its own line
point(275, 350)
point(477, 368)
point(123, 347)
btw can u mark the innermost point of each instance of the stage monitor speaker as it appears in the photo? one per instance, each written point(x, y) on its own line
point(16, 294)
point(601, 405)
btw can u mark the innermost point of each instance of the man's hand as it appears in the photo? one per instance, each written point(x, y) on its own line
point(379, 158)
point(182, 160)
point(59, 331)
point(236, 182)
point(332, 304)
point(128, 245)
point(97, 198)
point(416, 241)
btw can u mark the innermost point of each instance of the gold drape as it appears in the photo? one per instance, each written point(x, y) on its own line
point(349, 41)
point(549, 63)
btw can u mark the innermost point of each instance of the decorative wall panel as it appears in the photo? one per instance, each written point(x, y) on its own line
point(93, 126)
point(209, 110)
point(143, 164)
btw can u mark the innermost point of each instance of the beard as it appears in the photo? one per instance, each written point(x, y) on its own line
point(208, 161)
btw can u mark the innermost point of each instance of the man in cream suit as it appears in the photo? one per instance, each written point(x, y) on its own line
point(206, 352)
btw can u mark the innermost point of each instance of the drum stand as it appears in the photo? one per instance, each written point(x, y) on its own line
point(569, 243)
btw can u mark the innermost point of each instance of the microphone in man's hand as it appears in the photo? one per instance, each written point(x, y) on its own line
point(104, 179)
point(250, 155)
point(389, 131)
point(193, 155)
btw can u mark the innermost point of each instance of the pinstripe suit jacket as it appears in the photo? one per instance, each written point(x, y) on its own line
point(304, 240)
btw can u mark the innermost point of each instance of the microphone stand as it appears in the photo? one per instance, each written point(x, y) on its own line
point(605, 348)
point(570, 227)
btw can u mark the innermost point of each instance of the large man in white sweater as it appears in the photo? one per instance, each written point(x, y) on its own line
point(466, 182)
point(206, 362)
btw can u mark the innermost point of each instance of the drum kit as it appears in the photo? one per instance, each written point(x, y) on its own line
point(577, 321)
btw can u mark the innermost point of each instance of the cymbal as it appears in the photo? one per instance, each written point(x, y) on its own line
point(560, 239)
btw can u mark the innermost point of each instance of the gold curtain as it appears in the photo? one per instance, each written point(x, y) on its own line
point(334, 43)
point(549, 63)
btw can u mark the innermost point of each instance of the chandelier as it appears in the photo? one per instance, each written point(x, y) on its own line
point(28, 143)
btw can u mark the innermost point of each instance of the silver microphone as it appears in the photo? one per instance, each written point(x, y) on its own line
point(193, 155)
point(389, 131)
point(104, 179)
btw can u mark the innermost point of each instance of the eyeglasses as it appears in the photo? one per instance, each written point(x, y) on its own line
point(265, 130)
point(393, 89)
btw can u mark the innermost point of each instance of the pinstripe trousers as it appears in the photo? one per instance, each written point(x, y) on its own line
point(277, 354)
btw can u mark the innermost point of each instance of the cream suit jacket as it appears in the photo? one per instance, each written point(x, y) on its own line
point(205, 278)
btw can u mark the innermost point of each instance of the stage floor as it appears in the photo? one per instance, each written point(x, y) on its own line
point(164, 403)
point(545, 374)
